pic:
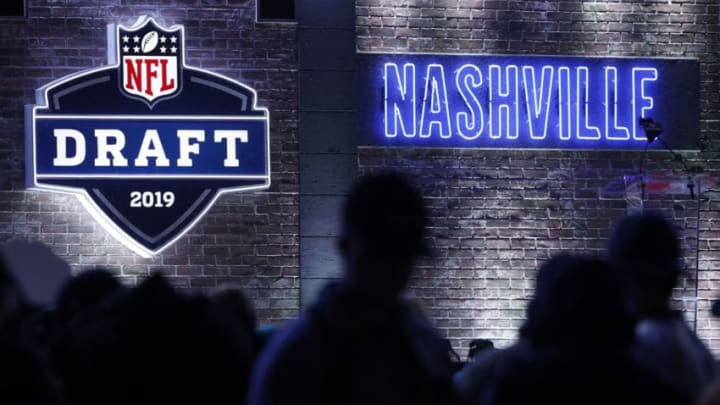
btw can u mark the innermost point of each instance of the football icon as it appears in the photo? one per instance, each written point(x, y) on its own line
point(149, 41)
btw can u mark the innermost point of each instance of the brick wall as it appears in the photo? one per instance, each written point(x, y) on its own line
point(498, 214)
point(250, 240)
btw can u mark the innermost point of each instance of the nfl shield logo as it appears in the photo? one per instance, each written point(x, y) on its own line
point(150, 59)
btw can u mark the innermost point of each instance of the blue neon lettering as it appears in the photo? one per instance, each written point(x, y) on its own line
point(582, 104)
point(537, 100)
point(435, 109)
point(641, 101)
point(399, 100)
point(470, 123)
point(564, 110)
point(613, 131)
point(504, 94)
point(568, 103)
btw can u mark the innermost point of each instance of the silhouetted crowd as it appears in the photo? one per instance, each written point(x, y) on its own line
point(598, 330)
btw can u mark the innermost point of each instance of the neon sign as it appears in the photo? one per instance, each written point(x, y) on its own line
point(526, 101)
point(147, 143)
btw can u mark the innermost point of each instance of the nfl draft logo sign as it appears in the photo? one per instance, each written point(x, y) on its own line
point(147, 143)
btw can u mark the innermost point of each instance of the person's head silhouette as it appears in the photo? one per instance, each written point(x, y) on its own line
point(383, 232)
point(646, 250)
point(578, 302)
point(85, 293)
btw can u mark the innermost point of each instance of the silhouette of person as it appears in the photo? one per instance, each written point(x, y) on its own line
point(25, 375)
point(84, 293)
point(645, 249)
point(573, 347)
point(10, 295)
point(361, 342)
point(239, 307)
point(79, 300)
point(38, 271)
point(176, 347)
point(22, 320)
